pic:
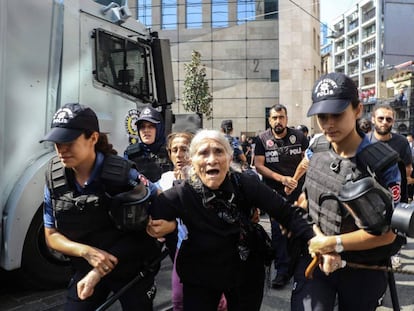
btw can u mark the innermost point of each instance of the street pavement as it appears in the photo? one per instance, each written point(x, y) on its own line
point(14, 297)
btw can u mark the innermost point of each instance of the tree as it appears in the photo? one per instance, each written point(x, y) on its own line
point(196, 94)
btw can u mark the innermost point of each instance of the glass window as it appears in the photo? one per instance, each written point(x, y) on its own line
point(169, 14)
point(144, 8)
point(245, 11)
point(123, 64)
point(194, 14)
point(219, 13)
point(274, 75)
point(271, 9)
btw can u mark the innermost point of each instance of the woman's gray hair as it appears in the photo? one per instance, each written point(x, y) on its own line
point(204, 134)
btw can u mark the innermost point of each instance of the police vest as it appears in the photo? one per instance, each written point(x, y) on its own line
point(85, 217)
point(322, 181)
point(151, 165)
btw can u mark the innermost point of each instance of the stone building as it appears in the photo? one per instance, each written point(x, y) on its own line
point(256, 53)
point(373, 44)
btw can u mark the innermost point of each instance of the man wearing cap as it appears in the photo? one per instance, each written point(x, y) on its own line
point(239, 162)
point(340, 157)
point(150, 153)
point(81, 183)
point(278, 151)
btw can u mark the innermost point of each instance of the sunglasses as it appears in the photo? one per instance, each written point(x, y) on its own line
point(388, 119)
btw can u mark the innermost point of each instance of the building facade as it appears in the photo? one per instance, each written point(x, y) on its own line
point(256, 54)
point(371, 44)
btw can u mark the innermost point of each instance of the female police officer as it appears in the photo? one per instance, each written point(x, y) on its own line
point(150, 154)
point(79, 182)
point(337, 156)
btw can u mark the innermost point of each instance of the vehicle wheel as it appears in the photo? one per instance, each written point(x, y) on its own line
point(44, 267)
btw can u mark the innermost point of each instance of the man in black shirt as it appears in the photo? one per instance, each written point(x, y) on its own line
point(278, 152)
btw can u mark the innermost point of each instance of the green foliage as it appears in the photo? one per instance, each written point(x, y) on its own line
point(196, 94)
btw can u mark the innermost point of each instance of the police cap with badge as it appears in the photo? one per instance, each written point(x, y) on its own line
point(364, 197)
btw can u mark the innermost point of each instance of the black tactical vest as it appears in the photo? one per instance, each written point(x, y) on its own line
point(82, 217)
point(150, 165)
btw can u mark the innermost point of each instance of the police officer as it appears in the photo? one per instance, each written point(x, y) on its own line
point(80, 182)
point(337, 156)
point(278, 152)
point(150, 154)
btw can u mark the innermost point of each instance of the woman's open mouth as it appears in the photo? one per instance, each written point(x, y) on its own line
point(212, 172)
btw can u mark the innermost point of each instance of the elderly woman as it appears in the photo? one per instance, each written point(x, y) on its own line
point(216, 206)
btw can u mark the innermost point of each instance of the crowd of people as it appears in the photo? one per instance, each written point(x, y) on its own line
point(200, 195)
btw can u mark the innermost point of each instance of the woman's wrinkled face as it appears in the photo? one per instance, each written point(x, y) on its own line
point(147, 132)
point(179, 152)
point(211, 163)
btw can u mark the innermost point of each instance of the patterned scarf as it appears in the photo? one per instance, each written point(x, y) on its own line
point(222, 202)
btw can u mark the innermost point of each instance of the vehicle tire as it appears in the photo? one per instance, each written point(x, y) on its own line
point(45, 268)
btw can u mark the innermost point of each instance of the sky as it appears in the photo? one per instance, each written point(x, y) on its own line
point(331, 9)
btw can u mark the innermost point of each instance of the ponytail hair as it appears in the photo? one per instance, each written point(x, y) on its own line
point(102, 145)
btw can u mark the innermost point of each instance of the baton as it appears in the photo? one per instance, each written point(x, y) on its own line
point(111, 299)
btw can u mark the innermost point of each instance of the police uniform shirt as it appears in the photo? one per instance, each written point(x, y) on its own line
point(281, 155)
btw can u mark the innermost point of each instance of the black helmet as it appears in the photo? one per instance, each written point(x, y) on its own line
point(129, 210)
point(303, 128)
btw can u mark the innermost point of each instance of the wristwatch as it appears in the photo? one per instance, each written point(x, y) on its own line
point(339, 247)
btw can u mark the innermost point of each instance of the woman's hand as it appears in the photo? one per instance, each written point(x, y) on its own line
point(320, 243)
point(302, 201)
point(289, 182)
point(97, 258)
point(160, 227)
point(330, 263)
point(103, 261)
point(86, 285)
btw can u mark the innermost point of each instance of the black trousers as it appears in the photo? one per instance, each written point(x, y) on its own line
point(247, 296)
point(355, 289)
point(201, 298)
